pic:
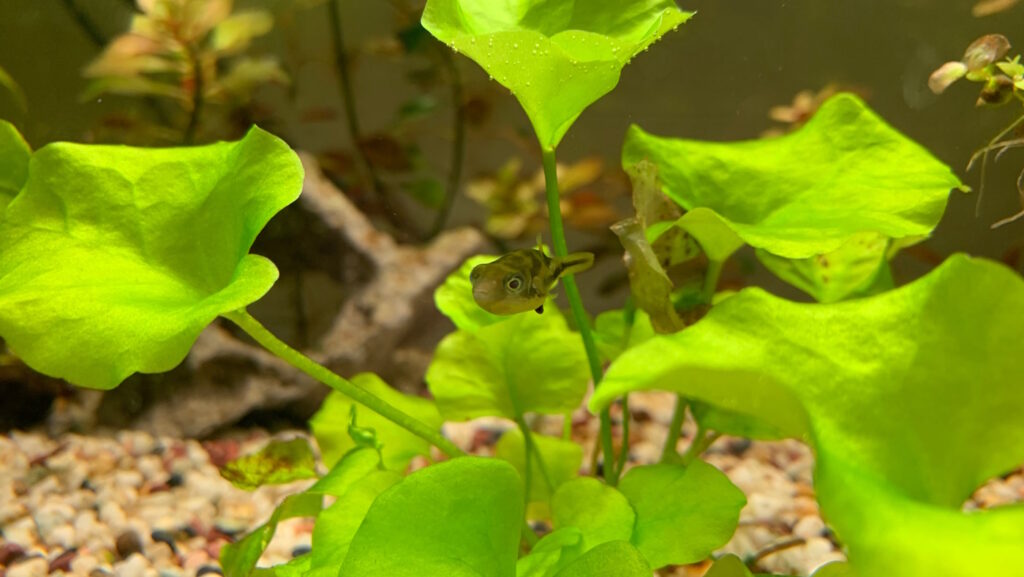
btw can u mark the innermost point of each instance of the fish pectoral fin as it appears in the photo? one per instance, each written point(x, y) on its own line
point(539, 309)
point(574, 263)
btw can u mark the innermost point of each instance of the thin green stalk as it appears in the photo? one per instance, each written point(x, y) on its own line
point(85, 23)
point(628, 318)
point(261, 335)
point(572, 292)
point(669, 452)
point(711, 277)
point(531, 448)
point(701, 441)
point(458, 143)
point(345, 86)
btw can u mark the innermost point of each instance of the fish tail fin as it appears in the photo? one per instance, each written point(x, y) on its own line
point(573, 263)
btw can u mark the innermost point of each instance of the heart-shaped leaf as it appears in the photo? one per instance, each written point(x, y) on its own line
point(601, 513)
point(113, 259)
point(682, 513)
point(911, 399)
point(846, 172)
point(525, 363)
point(460, 518)
point(558, 56)
point(398, 446)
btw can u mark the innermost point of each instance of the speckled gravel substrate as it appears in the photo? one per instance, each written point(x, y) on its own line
point(134, 505)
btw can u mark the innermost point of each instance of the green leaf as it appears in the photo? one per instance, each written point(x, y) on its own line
point(454, 519)
point(835, 569)
point(610, 329)
point(525, 363)
point(561, 459)
point(454, 298)
point(848, 271)
point(398, 446)
point(14, 158)
point(277, 463)
point(844, 173)
point(612, 559)
point(553, 552)
point(716, 239)
point(728, 566)
point(600, 512)
point(683, 513)
point(113, 259)
point(911, 399)
point(238, 559)
point(337, 524)
point(558, 56)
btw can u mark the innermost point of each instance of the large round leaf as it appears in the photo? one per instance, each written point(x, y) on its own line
point(911, 398)
point(844, 173)
point(460, 518)
point(556, 56)
point(113, 259)
point(525, 363)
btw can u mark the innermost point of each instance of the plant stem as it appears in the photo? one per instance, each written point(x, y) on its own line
point(85, 23)
point(531, 448)
point(345, 86)
point(669, 452)
point(261, 335)
point(711, 277)
point(701, 441)
point(984, 159)
point(572, 292)
point(774, 548)
point(197, 98)
point(628, 318)
point(528, 535)
point(458, 143)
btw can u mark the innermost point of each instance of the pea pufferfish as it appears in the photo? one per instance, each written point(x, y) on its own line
point(521, 280)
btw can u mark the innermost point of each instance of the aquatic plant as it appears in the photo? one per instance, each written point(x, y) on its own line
point(113, 259)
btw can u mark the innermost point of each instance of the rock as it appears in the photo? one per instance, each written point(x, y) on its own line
point(113, 516)
point(62, 536)
point(52, 515)
point(10, 552)
point(63, 561)
point(809, 527)
point(134, 566)
point(84, 564)
point(32, 567)
point(22, 533)
point(128, 543)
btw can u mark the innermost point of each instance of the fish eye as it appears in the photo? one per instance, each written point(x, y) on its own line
point(514, 282)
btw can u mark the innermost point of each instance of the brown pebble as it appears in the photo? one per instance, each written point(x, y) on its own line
point(127, 543)
point(62, 562)
point(10, 552)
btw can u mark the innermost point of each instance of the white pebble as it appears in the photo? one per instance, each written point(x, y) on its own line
point(129, 478)
point(113, 516)
point(809, 527)
point(22, 532)
point(83, 563)
point(134, 566)
point(36, 567)
point(62, 536)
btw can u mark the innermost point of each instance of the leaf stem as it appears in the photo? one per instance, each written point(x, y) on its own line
point(702, 439)
point(261, 335)
point(669, 453)
point(345, 86)
point(711, 277)
point(572, 292)
point(458, 143)
point(531, 447)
